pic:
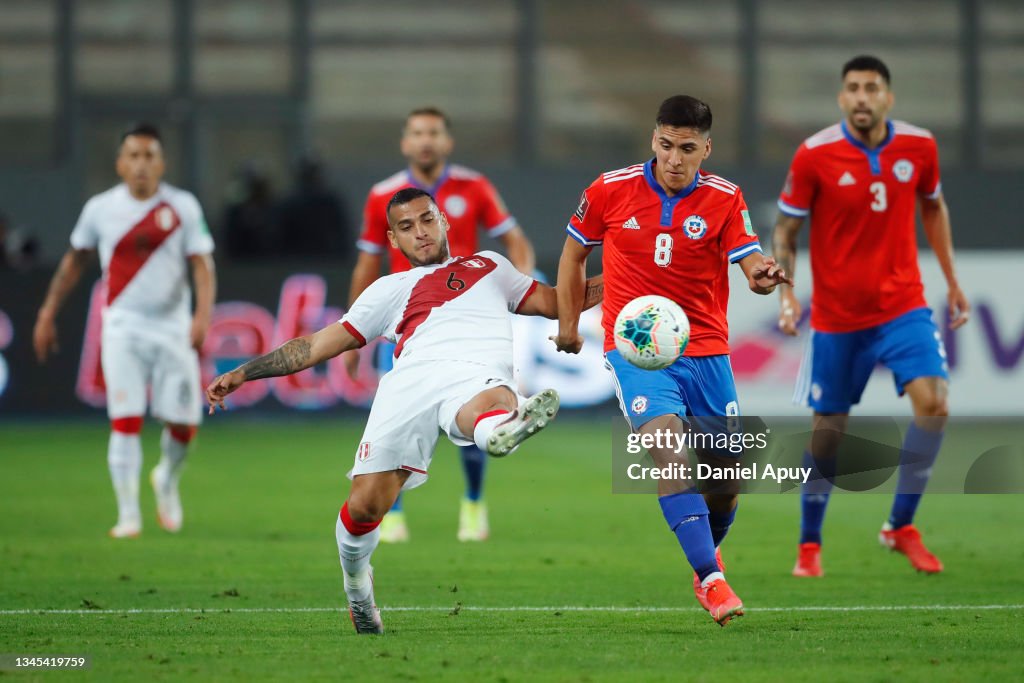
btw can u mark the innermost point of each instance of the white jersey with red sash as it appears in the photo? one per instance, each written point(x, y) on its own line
point(144, 248)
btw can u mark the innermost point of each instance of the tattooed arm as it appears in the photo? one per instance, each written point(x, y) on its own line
point(293, 356)
point(44, 336)
point(594, 293)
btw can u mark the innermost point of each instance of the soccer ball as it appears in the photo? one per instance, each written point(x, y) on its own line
point(651, 332)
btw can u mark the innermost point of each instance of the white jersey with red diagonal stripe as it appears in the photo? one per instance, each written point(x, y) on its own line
point(144, 248)
point(452, 311)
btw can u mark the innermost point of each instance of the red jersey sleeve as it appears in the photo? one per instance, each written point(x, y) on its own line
point(798, 192)
point(587, 224)
point(738, 238)
point(494, 215)
point(929, 183)
point(374, 237)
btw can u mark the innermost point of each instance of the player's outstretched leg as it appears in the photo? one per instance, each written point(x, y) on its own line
point(357, 532)
point(174, 444)
point(499, 434)
point(473, 522)
point(356, 543)
point(124, 458)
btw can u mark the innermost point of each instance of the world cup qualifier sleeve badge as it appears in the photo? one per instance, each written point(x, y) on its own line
point(695, 227)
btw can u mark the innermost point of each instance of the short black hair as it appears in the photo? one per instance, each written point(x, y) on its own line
point(405, 196)
point(683, 111)
point(867, 63)
point(431, 111)
point(144, 129)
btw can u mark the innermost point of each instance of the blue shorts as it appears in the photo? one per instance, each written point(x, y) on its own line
point(837, 365)
point(690, 387)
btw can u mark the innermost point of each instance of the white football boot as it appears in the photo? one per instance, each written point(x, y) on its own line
point(533, 415)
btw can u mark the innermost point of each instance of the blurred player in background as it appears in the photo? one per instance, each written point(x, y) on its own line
point(450, 317)
point(470, 202)
point(860, 182)
point(148, 234)
point(670, 229)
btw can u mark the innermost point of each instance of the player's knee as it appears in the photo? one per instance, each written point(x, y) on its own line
point(127, 425)
point(182, 433)
point(366, 509)
point(940, 408)
point(933, 404)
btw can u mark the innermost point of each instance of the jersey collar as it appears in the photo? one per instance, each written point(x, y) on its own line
point(872, 154)
point(668, 204)
point(152, 199)
point(432, 189)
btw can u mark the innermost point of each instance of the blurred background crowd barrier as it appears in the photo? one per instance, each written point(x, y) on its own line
point(281, 114)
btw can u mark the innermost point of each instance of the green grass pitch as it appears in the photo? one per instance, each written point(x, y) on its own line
point(229, 598)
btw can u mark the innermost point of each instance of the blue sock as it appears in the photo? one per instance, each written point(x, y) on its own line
point(720, 524)
point(687, 516)
point(920, 448)
point(814, 497)
point(474, 462)
point(397, 507)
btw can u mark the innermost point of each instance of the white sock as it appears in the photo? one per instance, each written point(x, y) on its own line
point(124, 457)
point(174, 453)
point(713, 576)
point(485, 427)
point(355, 552)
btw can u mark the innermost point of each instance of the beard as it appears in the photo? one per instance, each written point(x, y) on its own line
point(865, 127)
point(428, 165)
point(440, 257)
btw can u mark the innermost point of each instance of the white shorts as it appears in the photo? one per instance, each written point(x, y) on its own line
point(411, 405)
point(169, 369)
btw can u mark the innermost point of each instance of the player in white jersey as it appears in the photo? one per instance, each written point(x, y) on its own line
point(453, 371)
point(147, 234)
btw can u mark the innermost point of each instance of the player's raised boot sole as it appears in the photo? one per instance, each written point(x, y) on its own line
point(907, 540)
point(365, 614)
point(168, 502)
point(535, 414)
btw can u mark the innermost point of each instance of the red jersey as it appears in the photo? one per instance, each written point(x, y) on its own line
point(466, 197)
point(862, 204)
point(679, 247)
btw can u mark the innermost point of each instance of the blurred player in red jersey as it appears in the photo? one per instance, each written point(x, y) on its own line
point(860, 182)
point(470, 203)
point(669, 228)
point(148, 234)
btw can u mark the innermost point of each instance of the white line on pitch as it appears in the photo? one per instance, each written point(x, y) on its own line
point(520, 608)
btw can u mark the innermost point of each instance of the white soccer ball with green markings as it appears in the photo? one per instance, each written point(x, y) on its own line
point(651, 332)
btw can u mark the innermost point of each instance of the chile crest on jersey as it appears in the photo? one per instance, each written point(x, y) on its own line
point(695, 227)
